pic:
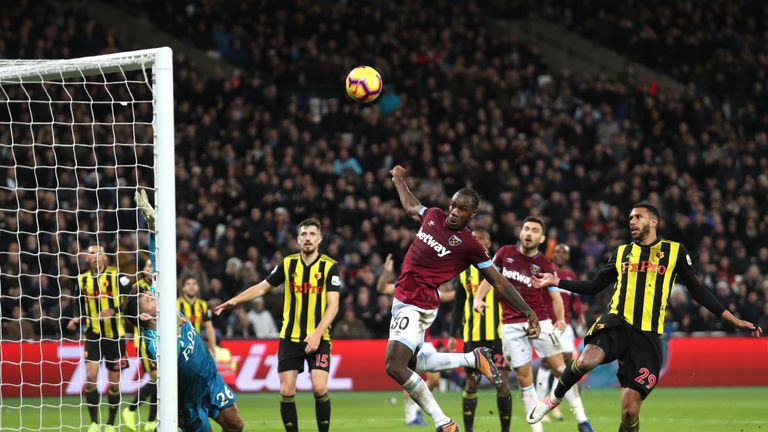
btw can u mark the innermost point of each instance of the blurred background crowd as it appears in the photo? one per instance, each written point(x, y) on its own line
point(259, 151)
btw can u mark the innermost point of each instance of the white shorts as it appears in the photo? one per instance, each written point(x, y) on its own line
point(567, 339)
point(518, 347)
point(410, 323)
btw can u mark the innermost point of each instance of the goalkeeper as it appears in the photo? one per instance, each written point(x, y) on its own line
point(202, 391)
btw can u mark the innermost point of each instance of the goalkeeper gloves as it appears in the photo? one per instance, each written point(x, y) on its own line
point(146, 208)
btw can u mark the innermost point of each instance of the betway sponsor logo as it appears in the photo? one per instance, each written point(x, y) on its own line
point(431, 242)
point(516, 276)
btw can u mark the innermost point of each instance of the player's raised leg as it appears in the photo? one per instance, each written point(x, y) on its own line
point(592, 357)
point(397, 358)
point(288, 400)
point(572, 395)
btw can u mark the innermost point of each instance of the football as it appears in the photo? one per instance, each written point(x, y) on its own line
point(364, 84)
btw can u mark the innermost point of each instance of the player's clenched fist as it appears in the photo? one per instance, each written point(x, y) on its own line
point(398, 171)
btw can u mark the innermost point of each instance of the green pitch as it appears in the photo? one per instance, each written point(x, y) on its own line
point(688, 410)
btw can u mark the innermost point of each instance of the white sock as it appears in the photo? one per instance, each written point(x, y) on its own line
point(435, 361)
point(542, 382)
point(577, 408)
point(410, 408)
point(419, 392)
point(529, 401)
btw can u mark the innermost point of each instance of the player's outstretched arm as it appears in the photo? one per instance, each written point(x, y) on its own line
point(708, 300)
point(411, 205)
point(605, 276)
point(249, 294)
point(384, 283)
point(513, 298)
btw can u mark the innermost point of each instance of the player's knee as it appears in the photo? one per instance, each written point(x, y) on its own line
point(630, 413)
point(319, 389)
point(396, 371)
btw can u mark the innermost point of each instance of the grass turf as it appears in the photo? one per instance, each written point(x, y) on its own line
point(668, 409)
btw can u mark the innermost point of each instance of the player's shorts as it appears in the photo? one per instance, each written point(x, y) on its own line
point(147, 363)
point(204, 399)
point(291, 356)
point(638, 352)
point(567, 339)
point(518, 347)
point(111, 350)
point(409, 324)
point(497, 352)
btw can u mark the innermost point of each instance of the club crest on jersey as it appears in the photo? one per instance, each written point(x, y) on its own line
point(431, 223)
point(659, 255)
point(454, 241)
point(510, 260)
point(535, 270)
point(431, 242)
point(318, 276)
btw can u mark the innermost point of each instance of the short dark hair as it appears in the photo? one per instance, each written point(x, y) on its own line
point(188, 277)
point(535, 219)
point(129, 309)
point(652, 209)
point(310, 222)
point(472, 194)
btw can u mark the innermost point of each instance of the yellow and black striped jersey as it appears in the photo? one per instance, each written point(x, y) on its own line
point(477, 327)
point(197, 311)
point(304, 298)
point(98, 293)
point(643, 276)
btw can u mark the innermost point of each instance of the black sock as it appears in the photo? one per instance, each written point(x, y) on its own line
point(504, 404)
point(635, 427)
point(153, 403)
point(143, 394)
point(288, 413)
point(323, 412)
point(113, 397)
point(570, 377)
point(468, 405)
point(92, 399)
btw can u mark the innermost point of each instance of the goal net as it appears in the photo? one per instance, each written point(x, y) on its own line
point(78, 137)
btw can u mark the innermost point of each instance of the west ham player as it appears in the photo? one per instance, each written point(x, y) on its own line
point(443, 248)
point(642, 273)
point(202, 391)
point(518, 264)
point(573, 308)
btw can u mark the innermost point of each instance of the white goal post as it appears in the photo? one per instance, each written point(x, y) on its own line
point(77, 138)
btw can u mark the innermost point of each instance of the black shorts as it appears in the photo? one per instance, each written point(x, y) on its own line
point(497, 353)
point(111, 350)
point(638, 352)
point(291, 356)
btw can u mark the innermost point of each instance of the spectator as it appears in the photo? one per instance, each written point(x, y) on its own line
point(350, 327)
point(262, 321)
point(18, 327)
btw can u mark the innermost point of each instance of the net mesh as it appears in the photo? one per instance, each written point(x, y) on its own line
point(76, 141)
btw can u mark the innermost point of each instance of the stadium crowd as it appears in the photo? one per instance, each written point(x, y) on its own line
point(258, 152)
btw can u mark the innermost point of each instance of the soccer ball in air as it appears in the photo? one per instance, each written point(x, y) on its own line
point(364, 84)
